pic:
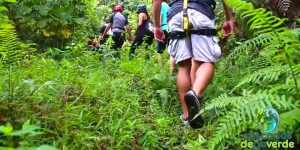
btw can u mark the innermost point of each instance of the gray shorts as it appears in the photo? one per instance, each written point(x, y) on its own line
point(200, 47)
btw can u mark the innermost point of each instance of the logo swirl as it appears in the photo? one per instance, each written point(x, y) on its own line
point(272, 119)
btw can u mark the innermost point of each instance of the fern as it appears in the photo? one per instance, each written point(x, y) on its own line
point(249, 45)
point(10, 46)
point(270, 74)
point(244, 112)
point(269, 40)
point(269, 31)
point(258, 20)
point(291, 119)
point(278, 44)
point(11, 49)
point(273, 78)
point(225, 101)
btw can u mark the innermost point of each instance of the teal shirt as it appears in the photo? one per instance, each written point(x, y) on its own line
point(164, 9)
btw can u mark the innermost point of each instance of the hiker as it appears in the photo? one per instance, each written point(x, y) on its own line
point(161, 46)
point(106, 36)
point(118, 22)
point(194, 46)
point(143, 32)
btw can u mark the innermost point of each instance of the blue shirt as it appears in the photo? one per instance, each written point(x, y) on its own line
point(164, 9)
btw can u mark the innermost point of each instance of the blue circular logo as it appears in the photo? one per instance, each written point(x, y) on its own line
point(268, 119)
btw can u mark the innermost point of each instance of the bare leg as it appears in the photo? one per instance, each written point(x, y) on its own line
point(201, 75)
point(184, 83)
point(172, 65)
point(194, 68)
point(159, 60)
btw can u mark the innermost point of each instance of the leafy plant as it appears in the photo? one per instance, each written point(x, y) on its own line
point(54, 23)
point(9, 135)
point(274, 83)
point(11, 49)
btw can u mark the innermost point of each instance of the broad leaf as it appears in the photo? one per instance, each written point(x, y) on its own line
point(42, 23)
point(6, 129)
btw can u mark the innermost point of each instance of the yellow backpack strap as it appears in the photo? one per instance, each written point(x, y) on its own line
point(185, 16)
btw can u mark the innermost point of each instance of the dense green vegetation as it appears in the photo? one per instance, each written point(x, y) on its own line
point(56, 95)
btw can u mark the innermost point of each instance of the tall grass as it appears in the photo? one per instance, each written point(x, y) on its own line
point(82, 103)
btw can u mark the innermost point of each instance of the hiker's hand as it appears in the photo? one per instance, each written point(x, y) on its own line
point(227, 29)
point(159, 35)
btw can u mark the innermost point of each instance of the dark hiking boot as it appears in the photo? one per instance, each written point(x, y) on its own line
point(192, 103)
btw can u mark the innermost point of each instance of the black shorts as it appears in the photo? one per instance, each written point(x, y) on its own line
point(161, 46)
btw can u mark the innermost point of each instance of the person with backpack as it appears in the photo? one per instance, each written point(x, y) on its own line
point(117, 23)
point(143, 31)
point(194, 46)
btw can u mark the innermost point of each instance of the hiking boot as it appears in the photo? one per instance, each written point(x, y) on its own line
point(185, 122)
point(197, 123)
point(192, 103)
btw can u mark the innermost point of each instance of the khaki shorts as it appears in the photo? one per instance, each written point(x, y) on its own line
point(200, 47)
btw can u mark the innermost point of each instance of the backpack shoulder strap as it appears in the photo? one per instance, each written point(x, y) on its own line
point(185, 16)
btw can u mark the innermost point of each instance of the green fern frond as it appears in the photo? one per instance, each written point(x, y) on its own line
point(282, 87)
point(276, 74)
point(9, 46)
point(269, 74)
point(249, 45)
point(270, 42)
point(225, 101)
point(244, 112)
point(289, 119)
point(296, 69)
point(11, 49)
point(270, 32)
point(260, 62)
point(278, 77)
point(258, 20)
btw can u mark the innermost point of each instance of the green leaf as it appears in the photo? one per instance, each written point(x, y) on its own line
point(80, 7)
point(289, 119)
point(79, 20)
point(6, 129)
point(42, 23)
point(63, 18)
point(27, 129)
point(25, 10)
point(2, 8)
point(6, 148)
point(26, 124)
point(279, 23)
point(43, 10)
point(10, 1)
point(163, 93)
